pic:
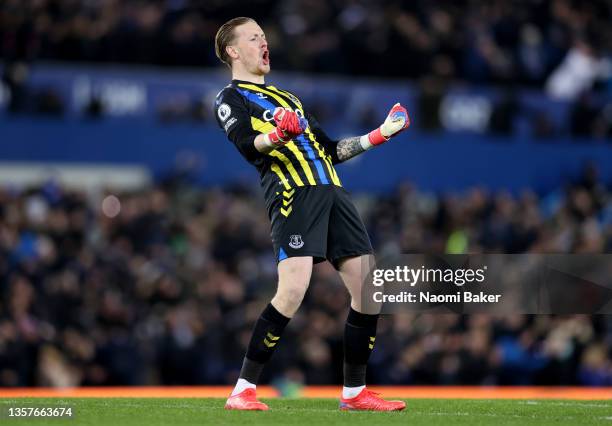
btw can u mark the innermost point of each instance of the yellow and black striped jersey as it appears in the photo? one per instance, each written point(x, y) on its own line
point(244, 110)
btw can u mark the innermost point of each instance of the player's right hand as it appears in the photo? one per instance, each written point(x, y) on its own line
point(289, 125)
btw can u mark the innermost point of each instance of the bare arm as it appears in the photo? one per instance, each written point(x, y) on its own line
point(396, 121)
point(346, 148)
point(349, 147)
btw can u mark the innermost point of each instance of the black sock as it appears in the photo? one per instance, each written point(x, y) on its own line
point(264, 340)
point(359, 337)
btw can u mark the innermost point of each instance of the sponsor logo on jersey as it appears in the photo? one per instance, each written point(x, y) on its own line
point(268, 115)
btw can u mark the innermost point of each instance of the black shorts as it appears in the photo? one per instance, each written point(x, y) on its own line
point(318, 221)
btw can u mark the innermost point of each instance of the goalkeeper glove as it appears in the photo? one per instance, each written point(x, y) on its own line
point(288, 126)
point(397, 120)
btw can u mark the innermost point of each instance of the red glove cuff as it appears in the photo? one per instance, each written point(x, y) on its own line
point(277, 137)
point(288, 126)
point(376, 137)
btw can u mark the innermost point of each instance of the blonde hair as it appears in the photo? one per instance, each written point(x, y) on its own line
point(225, 36)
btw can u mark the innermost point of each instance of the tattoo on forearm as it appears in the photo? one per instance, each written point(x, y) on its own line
point(348, 148)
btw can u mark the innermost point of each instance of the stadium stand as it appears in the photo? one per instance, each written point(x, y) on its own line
point(100, 291)
point(139, 298)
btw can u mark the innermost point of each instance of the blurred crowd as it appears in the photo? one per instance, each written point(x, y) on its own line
point(560, 47)
point(162, 286)
point(523, 41)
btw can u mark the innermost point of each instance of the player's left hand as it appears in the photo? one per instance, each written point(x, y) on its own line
point(397, 121)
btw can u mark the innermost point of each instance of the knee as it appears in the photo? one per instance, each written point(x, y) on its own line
point(288, 298)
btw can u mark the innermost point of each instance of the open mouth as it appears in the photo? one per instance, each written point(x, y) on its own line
point(266, 57)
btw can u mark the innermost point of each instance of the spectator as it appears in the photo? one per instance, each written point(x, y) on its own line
point(496, 41)
point(162, 292)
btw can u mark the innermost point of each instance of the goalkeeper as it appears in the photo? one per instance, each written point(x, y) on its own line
point(312, 216)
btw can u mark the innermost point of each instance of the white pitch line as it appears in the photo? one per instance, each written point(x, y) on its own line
point(567, 404)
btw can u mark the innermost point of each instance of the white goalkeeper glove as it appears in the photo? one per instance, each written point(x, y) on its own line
point(397, 120)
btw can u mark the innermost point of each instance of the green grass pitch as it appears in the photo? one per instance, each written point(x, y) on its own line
point(201, 412)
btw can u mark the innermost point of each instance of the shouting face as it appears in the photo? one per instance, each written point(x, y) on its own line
point(249, 49)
